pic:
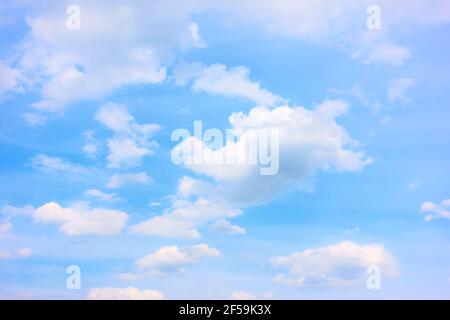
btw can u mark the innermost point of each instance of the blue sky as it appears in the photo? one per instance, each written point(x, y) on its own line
point(85, 146)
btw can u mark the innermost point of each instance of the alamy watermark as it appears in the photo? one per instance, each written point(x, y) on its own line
point(258, 147)
point(73, 281)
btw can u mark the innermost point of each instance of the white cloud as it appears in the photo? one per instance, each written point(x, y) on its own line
point(131, 140)
point(224, 227)
point(339, 264)
point(100, 195)
point(242, 295)
point(413, 185)
point(391, 54)
point(130, 293)
point(120, 179)
point(143, 38)
point(34, 119)
point(82, 221)
point(435, 211)
point(340, 23)
point(90, 148)
point(57, 165)
point(183, 218)
point(118, 44)
point(9, 78)
point(218, 79)
point(155, 204)
point(310, 140)
point(24, 252)
point(21, 253)
point(5, 227)
point(170, 259)
point(398, 87)
point(11, 211)
point(4, 254)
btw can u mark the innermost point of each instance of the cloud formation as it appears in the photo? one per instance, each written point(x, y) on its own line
point(435, 211)
point(170, 259)
point(131, 141)
point(339, 264)
point(217, 79)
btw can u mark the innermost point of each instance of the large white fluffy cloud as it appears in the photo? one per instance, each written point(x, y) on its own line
point(82, 220)
point(117, 44)
point(170, 259)
point(310, 140)
point(135, 43)
point(130, 293)
point(339, 264)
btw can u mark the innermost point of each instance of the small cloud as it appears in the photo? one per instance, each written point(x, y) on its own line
point(352, 231)
point(169, 259)
point(100, 195)
point(412, 186)
point(435, 211)
point(341, 264)
point(118, 180)
point(24, 252)
point(223, 227)
point(155, 204)
point(398, 87)
point(34, 119)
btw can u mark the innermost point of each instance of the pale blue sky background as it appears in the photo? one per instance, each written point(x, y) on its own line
point(408, 138)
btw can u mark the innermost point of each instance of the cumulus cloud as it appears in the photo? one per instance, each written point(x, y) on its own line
point(339, 264)
point(100, 195)
point(24, 252)
point(82, 220)
point(184, 217)
point(219, 80)
point(310, 140)
point(398, 87)
point(118, 180)
point(435, 211)
point(224, 227)
point(170, 259)
point(117, 44)
point(140, 40)
point(90, 148)
point(57, 165)
point(131, 140)
point(130, 293)
point(11, 211)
